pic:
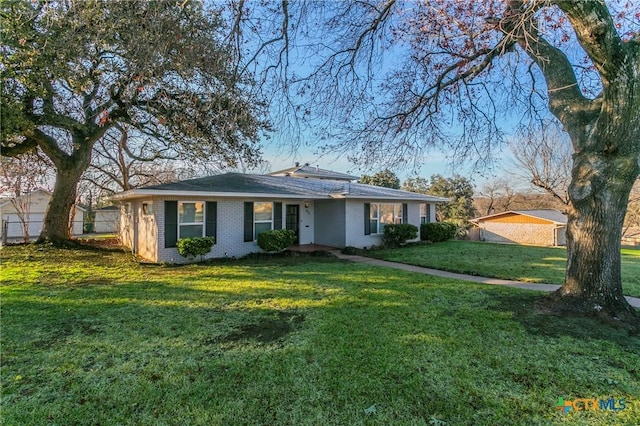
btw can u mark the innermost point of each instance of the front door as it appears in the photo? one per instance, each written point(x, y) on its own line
point(292, 220)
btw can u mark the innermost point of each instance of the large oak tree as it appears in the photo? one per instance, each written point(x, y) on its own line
point(73, 70)
point(389, 78)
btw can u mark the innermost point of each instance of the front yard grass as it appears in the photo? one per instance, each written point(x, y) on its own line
point(91, 337)
point(506, 261)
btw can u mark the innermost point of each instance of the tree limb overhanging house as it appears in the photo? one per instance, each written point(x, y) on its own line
point(322, 207)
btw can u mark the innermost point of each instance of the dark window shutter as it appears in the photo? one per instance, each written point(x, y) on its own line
point(405, 213)
point(277, 215)
point(428, 219)
point(170, 223)
point(367, 219)
point(211, 225)
point(248, 221)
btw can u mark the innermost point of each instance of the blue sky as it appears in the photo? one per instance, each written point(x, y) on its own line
point(281, 158)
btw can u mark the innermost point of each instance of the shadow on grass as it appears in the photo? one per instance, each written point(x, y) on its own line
point(536, 322)
point(285, 341)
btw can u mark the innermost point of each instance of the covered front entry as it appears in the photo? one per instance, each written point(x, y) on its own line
point(292, 220)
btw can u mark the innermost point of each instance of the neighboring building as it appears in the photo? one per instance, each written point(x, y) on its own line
point(235, 208)
point(106, 220)
point(545, 227)
point(34, 205)
point(631, 236)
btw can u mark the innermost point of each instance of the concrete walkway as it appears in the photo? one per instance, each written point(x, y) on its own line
point(633, 301)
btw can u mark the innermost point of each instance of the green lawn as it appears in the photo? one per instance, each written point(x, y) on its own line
point(93, 338)
point(507, 261)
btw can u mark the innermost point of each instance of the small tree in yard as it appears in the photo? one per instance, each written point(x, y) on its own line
point(19, 177)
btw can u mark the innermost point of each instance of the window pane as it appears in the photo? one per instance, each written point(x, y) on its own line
point(382, 225)
point(262, 211)
point(373, 212)
point(188, 231)
point(147, 209)
point(190, 212)
point(386, 214)
point(423, 209)
point(374, 226)
point(262, 227)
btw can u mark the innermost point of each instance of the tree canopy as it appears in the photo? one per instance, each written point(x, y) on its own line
point(387, 80)
point(460, 190)
point(385, 178)
point(416, 184)
point(72, 71)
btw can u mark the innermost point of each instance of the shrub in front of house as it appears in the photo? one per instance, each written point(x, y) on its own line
point(276, 240)
point(197, 246)
point(396, 235)
point(438, 231)
point(352, 251)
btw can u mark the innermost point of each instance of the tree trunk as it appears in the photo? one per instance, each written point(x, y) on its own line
point(599, 192)
point(56, 227)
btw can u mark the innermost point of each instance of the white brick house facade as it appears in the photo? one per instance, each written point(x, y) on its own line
point(322, 216)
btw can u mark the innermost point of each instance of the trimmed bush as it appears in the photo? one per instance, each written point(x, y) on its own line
point(396, 235)
point(197, 246)
point(350, 250)
point(438, 231)
point(276, 240)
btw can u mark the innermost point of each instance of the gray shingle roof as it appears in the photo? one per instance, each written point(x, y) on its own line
point(238, 184)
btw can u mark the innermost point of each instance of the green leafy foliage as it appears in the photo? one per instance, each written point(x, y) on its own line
point(386, 178)
point(438, 231)
point(460, 190)
point(80, 71)
point(197, 246)
point(276, 240)
point(416, 184)
point(352, 251)
point(396, 235)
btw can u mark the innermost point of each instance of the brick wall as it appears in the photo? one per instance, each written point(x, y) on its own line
point(535, 234)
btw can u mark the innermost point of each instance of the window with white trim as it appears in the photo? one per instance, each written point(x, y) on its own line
point(425, 213)
point(147, 208)
point(381, 214)
point(262, 218)
point(190, 219)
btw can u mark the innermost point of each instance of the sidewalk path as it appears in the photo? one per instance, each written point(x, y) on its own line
point(633, 301)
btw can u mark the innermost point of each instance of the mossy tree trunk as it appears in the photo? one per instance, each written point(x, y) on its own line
point(605, 133)
point(56, 227)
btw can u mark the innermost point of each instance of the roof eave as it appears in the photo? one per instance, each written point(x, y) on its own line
point(142, 193)
point(521, 213)
point(386, 197)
